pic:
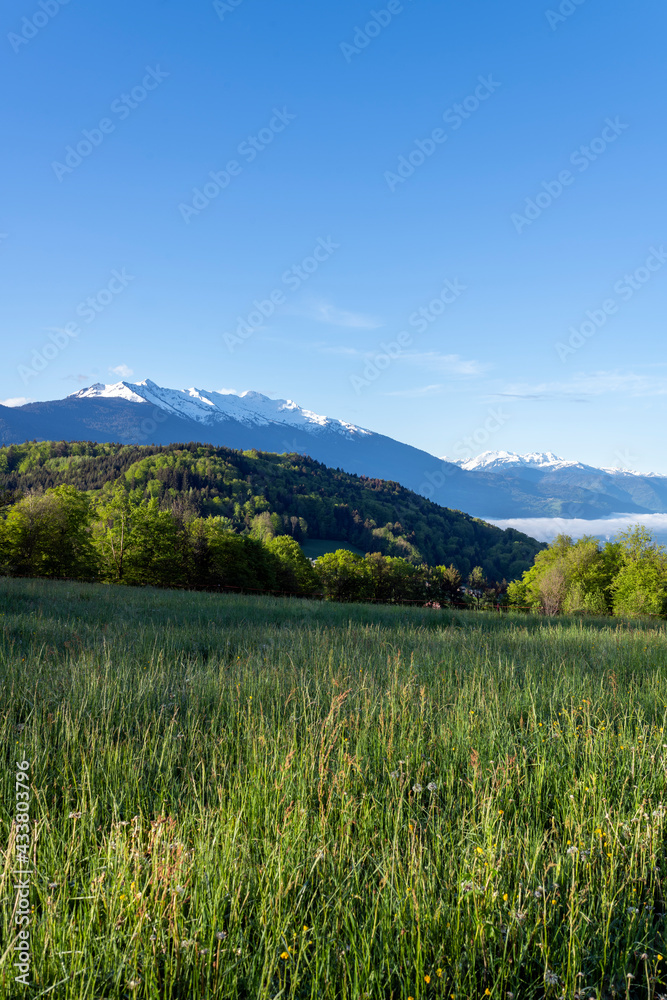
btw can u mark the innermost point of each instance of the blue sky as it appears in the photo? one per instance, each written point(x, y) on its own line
point(444, 222)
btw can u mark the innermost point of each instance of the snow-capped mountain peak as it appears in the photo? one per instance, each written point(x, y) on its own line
point(506, 459)
point(121, 390)
point(207, 406)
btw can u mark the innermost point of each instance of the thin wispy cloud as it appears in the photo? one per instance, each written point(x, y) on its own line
point(447, 364)
point(326, 312)
point(418, 392)
point(122, 371)
point(343, 352)
point(582, 387)
point(450, 364)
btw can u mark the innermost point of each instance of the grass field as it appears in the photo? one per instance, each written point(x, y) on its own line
point(313, 548)
point(249, 798)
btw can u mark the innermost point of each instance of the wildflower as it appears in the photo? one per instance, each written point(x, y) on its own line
point(284, 956)
point(416, 787)
point(427, 979)
point(487, 992)
point(74, 815)
point(134, 984)
point(432, 787)
point(394, 774)
point(221, 935)
point(550, 978)
point(438, 973)
point(505, 897)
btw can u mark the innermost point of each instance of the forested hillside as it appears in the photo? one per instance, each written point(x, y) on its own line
point(266, 495)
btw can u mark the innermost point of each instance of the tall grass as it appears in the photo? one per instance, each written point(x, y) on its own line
point(252, 797)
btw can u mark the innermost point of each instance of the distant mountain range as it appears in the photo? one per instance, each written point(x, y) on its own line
point(493, 485)
point(503, 460)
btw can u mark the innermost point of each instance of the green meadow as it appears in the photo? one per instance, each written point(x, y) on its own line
point(249, 797)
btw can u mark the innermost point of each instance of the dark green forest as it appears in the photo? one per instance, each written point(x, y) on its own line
point(265, 495)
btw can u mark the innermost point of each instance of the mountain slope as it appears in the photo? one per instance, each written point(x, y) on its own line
point(572, 489)
point(114, 414)
point(497, 485)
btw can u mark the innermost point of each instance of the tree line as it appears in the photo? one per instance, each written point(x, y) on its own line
point(626, 577)
point(272, 495)
point(121, 537)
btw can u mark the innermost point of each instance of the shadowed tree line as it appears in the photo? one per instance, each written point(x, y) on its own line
point(263, 495)
point(122, 538)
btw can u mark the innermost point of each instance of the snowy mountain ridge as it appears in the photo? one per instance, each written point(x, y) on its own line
point(496, 459)
point(543, 460)
point(207, 406)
